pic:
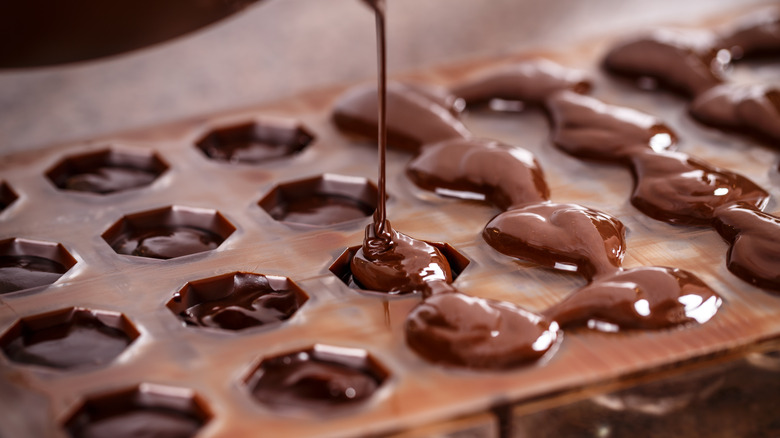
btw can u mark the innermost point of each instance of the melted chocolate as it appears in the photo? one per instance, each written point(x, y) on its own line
point(751, 109)
point(250, 301)
point(647, 298)
point(83, 340)
point(757, 34)
point(400, 265)
point(166, 242)
point(105, 180)
point(501, 174)
point(413, 118)
point(140, 422)
point(7, 195)
point(18, 272)
point(685, 61)
point(563, 236)
point(673, 187)
point(529, 82)
point(458, 330)
point(321, 210)
point(255, 142)
point(303, 380)
point(754, 255)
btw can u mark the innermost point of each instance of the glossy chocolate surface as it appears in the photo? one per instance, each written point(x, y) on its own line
point(18, 272)
point(80, 339)
point(413, 118)
point(238, 301)
point(143, 422)
point(166, 242)
point(747, 108)
point(646, 298)
point(672, 186)
point(501, 174)
point(315, 382)
point(255, 142)
point(529, 82)
point(757, 34)
point(563, 236)
point(458, 330)
point(109, 179)
point(321, 210)
point(685, 61)
point(399, 265)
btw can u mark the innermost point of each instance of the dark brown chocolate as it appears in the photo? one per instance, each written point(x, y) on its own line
point(18, 272)
point(146, 411)
point(321, 210)
point(255, 142)
point(457, 330)
point(757, 34)
point(141, 422)
point(752, 109)
point(7, 195)
point(562, 236)
point(647, 298)
point(250, 300)
point(671, 186)
point(498, 173)
point(685, 61)
point(74, 339)
point(166, 242)
point(399, 265)
point(754, 255)
point(109, 180)
point(315, 382)
point(529, 82)
point(413, 118)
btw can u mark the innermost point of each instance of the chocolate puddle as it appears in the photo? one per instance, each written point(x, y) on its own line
point(141, 422)
point(104, 180)
point(673, 187)
point(166, 242)
point(18, 272)
point(693, 63)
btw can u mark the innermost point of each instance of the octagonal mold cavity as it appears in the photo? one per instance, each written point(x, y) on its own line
point(341, 267)
point(320, 379)
point(237, 301)
point(106, 171)
point(145, 410)
point(323, 200)
point(25, 264)
point(68, 338)
point(7, 195)
point(256, 141)
point(168, 232)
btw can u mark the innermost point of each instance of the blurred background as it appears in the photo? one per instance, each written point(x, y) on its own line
point(256, 52)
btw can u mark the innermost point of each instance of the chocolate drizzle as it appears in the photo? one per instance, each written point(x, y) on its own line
point(447, 327)
point(671, 186)
point(693, 63)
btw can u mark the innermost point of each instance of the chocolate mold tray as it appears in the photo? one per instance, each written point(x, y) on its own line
point(215, 376)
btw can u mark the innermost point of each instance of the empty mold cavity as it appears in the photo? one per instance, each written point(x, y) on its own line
point(341, 267)
point(321, 378)
point(256, 141)
point(106, 171)
point(7, 195)
point(142, 411)
point(237, 301)
point(168, 232)
point(322, 200)
point(68, 338)
point(26, 264)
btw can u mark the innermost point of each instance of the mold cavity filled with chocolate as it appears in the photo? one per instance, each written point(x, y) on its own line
point(168, 232)
point(237, 301)
point(7, 196)
point(321, 201)
point(143, 411)
point(26, 264)
point(321, 378)
point(255, 142)
point(106, 171)
point(68, 338)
